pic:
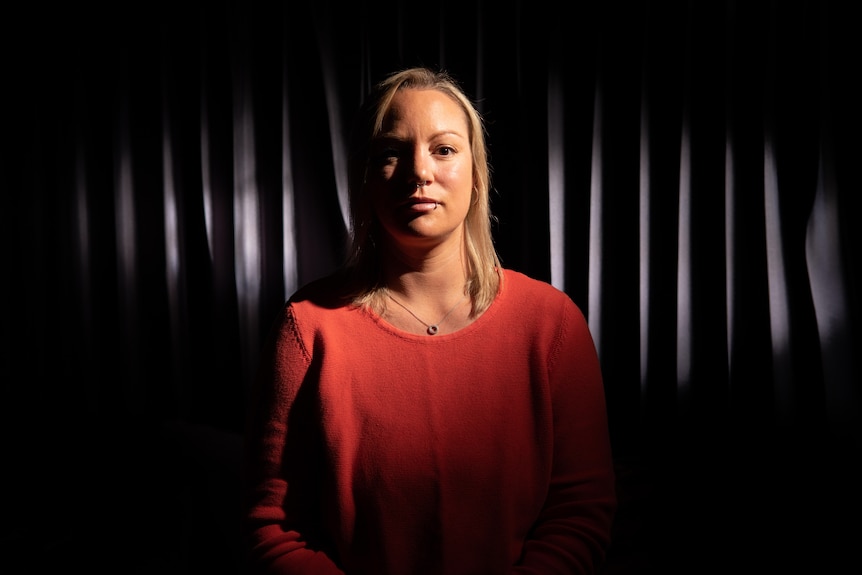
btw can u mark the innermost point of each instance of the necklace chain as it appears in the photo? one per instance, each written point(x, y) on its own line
point(432, 328)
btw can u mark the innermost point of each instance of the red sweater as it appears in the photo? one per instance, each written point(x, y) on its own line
point(482, 452)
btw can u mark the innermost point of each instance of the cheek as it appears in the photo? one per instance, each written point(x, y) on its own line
point(380, 198)
point(460, 180)
point(376, 198)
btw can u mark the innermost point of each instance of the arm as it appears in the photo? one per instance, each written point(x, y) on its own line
point(572, 533)
point(278, 493)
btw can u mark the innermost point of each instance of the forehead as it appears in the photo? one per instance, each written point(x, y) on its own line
point(427, 108)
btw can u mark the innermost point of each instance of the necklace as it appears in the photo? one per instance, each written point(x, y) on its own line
point(432, 328)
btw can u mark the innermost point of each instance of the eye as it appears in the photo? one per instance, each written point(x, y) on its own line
point(446, 150)
point(385, 156)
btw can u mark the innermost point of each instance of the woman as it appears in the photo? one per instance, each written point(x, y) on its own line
point(424, 410)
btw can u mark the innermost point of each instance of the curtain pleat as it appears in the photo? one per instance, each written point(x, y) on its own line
point(556, 179)
point(831, 282)
point(288, 195)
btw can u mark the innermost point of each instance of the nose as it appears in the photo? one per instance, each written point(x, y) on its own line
point(421, 168)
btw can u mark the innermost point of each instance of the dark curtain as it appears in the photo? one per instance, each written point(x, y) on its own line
point(686, 171)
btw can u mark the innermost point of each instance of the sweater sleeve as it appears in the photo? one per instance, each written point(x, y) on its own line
point(572, 533)
point(278, 531)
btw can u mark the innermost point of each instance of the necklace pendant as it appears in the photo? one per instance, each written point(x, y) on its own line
point(432, 328)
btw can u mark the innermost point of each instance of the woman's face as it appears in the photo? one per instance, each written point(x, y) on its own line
point(424, 139)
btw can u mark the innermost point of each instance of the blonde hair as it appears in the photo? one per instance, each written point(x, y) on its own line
point(362, 265)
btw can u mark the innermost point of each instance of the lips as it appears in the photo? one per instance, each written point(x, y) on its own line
point(420, 200)
point(420, 204)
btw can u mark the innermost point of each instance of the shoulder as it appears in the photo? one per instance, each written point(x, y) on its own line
point(320, 299)
point(532, 292)
point(327, 291)
point(312, 303)
point(552, 321)
point(325, 307)
point(538, 301)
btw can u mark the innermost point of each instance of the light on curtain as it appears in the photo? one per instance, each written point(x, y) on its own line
point(556, 180)
point(594, 300)
point(779, 308)
point(290, 259)
point(246, 224)
point(683, 277)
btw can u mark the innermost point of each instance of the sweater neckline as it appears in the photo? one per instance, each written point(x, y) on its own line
point(486, 316)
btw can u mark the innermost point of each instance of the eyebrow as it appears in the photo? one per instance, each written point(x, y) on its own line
point(392, 137)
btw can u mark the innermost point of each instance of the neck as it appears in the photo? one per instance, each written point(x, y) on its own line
point(428, 293)
point(411, 274)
